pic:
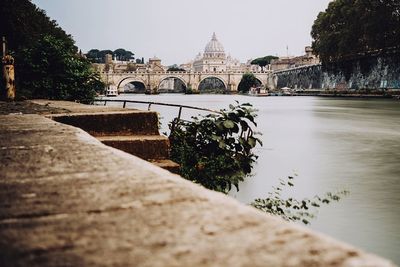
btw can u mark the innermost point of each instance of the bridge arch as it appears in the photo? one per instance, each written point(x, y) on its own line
point(182, 81)
point(126, 80)
point(265, 79)
point(221, 85)
point(260, 83)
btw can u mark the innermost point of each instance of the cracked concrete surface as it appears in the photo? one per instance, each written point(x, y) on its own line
point(68, 200)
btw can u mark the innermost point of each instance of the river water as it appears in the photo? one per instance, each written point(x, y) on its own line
point(332, 144)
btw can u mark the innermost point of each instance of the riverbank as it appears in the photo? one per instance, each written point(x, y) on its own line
point(345, 95)
point(377, 96)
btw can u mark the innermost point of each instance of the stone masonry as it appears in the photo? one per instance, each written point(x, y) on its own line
point(66, 199)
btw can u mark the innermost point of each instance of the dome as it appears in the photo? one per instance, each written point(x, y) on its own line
point(214, 46)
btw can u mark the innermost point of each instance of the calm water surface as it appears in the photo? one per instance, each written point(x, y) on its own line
point(332, 144)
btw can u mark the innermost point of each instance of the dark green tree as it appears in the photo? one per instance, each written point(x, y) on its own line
point(175, 67)
point(123, 54)
point(22, 23)
point(350, 28)
point(94, 56)
point(47, 63)
point(49, 70)
point(98, 56)
point(102, 54)
point(248, 81)
point(263, 61)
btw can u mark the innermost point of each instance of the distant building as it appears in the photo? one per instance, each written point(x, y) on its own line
point(108, 59)
point(116, 66)
point(292, 62)
point(155, 64)
point(213, 59)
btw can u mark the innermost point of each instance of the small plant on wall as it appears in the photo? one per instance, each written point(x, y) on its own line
point(216, 150)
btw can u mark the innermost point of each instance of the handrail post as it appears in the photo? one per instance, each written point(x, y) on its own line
point(180, 112)
point(149, 107)
point(124, 104)
point(175, 121)
point(105, 102)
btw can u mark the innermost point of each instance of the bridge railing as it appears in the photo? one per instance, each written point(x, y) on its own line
point(151, 103)
point(185, 72)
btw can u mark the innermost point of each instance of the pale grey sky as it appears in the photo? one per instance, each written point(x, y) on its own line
point(176, 30)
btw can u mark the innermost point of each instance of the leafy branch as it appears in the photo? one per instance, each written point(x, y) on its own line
point(292, 209)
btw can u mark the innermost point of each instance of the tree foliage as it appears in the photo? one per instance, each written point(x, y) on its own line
point(348, 28)
point(47, 63)
point(175, 67)
point(22, 23)
point(216, 150)
point(124, 55)
point(50, 71)
point(248, 80)
point(93, 56)
point(263, 61)
point(98, 56)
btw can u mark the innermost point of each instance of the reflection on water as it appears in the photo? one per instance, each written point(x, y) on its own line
point(332, 144)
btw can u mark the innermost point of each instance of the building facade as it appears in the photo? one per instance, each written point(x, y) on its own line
point(293, 62)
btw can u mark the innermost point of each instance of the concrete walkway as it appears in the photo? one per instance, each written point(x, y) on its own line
point(68, 200)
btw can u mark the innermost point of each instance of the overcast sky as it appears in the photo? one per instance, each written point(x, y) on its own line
point(176, 30)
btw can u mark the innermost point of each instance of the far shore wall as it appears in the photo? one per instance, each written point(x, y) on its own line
point(368, 73)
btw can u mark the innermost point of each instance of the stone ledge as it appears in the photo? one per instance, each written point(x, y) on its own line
point(68, 200)
point(127, 122)
point(148, 147)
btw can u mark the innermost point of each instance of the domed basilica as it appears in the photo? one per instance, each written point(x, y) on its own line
point(213, 59)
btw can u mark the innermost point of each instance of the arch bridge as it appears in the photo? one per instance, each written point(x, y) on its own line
point(153, 80)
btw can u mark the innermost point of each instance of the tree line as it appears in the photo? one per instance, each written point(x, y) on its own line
point(47, 62)
point(263, 61)
point(350, 28)
point(120, 54)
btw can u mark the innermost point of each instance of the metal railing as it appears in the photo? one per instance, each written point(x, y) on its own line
point(150, 103)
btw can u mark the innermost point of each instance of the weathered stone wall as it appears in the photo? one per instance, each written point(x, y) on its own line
point(372, 72)
point(68, 200)
point(309, 77)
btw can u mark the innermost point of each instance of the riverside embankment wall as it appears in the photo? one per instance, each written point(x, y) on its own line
point(366, 73)
point(68, 200)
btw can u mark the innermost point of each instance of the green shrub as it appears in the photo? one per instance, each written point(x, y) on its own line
point(216, 150)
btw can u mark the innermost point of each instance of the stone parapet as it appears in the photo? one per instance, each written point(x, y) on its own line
point(68, 200)
point(129, 122)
